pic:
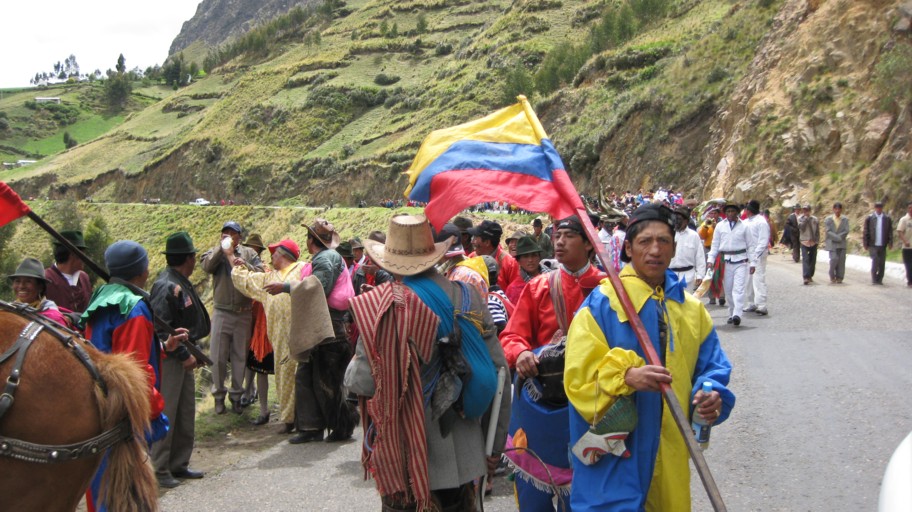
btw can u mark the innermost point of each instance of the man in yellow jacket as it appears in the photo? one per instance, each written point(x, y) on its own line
point(604, 362)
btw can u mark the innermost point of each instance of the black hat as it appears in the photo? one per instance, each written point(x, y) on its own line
point(451, 230)
point(179, 243)
point(651, 211)
point(345, 250)
point(492, 265)
point(487, 229)
point(75, 238)
point(878, 204)
point(683, 211)
point(527, 245)
point(572, 222)
point(356, 243)
point(753, 206)
point(730, 206)
point(30, 267)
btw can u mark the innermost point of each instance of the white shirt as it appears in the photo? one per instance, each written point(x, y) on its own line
point(689, 252)
point(878, 229)
point(760, 234)
point(731, 239)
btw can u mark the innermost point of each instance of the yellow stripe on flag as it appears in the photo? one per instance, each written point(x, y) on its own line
point(511, 125)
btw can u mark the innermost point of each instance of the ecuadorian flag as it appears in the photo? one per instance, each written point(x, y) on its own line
point(505, 156)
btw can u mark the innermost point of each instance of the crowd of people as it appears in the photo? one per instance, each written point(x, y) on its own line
point(406, 330)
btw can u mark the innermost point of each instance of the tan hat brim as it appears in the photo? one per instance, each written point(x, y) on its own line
point(405, 265)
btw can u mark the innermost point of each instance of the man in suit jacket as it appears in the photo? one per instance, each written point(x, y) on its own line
point(877, 237)
point(837, 230)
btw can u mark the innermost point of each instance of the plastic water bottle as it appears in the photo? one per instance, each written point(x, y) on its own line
point(699, 425)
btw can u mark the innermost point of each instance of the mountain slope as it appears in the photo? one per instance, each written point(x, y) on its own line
point(773, 99)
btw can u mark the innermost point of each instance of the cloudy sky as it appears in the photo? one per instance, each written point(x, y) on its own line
point(35, 35)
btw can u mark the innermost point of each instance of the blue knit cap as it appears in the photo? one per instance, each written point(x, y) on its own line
point(126, 259)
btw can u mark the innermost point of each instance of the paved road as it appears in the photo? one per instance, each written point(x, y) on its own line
point(822, 385)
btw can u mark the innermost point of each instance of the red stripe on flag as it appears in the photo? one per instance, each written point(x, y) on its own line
point(454, 191)
point(11, 205)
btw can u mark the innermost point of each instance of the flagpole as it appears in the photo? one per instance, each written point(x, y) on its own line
point(102, 273)
point(677, 412)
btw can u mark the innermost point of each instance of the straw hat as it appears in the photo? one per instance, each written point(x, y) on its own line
point(409, 248)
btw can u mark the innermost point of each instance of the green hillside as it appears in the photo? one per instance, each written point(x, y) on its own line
point(347, 97)
point(769, 98)
point(30, 130)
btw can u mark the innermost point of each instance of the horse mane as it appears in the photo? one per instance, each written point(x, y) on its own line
point(129, 483)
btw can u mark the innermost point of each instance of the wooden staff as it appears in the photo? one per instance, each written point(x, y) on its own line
point(102, 273)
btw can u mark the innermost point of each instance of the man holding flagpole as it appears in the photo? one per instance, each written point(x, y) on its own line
point(507, 155)
point(605, 362)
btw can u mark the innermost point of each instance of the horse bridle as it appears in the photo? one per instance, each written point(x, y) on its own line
point(41, 453)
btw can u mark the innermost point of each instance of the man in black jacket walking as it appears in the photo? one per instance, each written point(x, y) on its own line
point(877, 238)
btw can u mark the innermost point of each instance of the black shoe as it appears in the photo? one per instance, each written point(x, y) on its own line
point(736, 320)
point(219, 407)
point(307, 437)
point(286, 429)
point(236, 407)
point(245, 402)
point(168, 482)
point(712, 302)
point(750, 309)
point(188, 473)
point(261, 420)
point(336, 436)
point(729, 321)
point(721, 301)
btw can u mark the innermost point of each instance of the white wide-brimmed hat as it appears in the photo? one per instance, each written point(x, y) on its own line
point(409, 249)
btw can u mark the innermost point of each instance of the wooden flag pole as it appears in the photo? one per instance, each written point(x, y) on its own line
point(102, 273)
point(677, 412)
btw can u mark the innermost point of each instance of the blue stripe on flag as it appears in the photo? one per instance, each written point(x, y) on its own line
point(538, 161)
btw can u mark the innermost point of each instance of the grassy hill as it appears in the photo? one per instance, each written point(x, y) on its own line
point(329, 105)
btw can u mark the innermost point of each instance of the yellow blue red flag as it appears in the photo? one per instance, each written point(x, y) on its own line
point(505, 156)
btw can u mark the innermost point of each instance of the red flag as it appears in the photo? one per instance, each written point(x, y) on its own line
point(11, 206)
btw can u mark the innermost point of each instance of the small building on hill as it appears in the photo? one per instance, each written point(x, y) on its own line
point(43, 99)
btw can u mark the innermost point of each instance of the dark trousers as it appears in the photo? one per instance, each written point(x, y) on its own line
point(172, 454)
point(796, 249)
point(808, 261)
point(907, 261)
point(878, 262)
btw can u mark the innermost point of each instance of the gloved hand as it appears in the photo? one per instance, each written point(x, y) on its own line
point(158, 429)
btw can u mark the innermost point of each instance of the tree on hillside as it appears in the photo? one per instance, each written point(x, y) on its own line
point(118, 86)
point(422, 24)
point(69, 141)
point(71, 67)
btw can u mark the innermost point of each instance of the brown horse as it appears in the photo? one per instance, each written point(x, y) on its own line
point(45, 463)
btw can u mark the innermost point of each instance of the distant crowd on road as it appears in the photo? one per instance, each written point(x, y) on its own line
point(415, 332)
